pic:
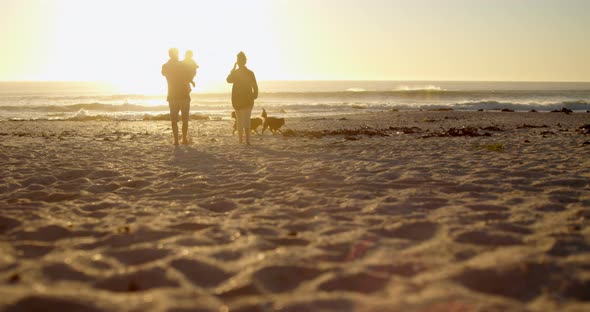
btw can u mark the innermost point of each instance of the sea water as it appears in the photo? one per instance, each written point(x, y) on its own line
point(84, 101)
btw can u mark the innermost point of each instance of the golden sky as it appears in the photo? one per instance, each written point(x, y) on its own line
point(126, 41)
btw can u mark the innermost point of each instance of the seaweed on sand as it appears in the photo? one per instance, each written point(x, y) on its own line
point(492, 128)
point(585, 129)
point(457, 132)
point(525, 126)
point(367, 131)
point(405, 130)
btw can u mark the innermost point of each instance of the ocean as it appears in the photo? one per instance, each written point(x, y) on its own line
point(88, 101)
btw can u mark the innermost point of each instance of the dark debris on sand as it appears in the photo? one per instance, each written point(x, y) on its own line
point(405, 130)
point(367, 131)
point(351, 134)
point(457, 132)
point(466, 131)
point(525, 126)
point(585, 129)
point(563, 110)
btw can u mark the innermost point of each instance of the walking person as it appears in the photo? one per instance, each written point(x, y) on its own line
point(244, 92)
point(178, 76)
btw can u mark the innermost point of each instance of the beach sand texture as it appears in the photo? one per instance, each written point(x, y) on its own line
point(386, 216)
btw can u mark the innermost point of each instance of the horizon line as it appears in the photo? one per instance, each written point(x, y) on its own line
point(330, 80)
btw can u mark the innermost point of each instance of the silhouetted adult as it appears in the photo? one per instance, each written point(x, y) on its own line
point(244, 92)
point(178, 77)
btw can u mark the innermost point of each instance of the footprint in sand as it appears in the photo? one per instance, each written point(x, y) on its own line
point(40, 180)
point(138, 256)
point(403, 269)
point(246, 290)
point(200, 273)
point(487, 216)
point(32, 250)
point(490, 208)
point(550, 207)
point(63, 272)
point(119, 240)
point(279, 279)
point(487, 239)
point(48, 233)
point(361, 283)
point(219, 205)
point(417, 231)
point(8, 224)
point(567, 245)
point(329, 305)
point(190, 227)
point(74, 174)
point(103, 188)
point(523, 282)
point(137, 281)
point(512, 228)
point(43, 303)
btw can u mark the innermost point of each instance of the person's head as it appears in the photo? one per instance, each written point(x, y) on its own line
point(188, 54)
point(241, 59)
point(173, 53)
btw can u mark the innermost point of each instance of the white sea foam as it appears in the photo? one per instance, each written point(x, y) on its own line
point(302, 99)
point(419, 88)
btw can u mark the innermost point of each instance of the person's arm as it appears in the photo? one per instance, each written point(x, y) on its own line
point(254, 86)
point(230, 77)
point(164, 70)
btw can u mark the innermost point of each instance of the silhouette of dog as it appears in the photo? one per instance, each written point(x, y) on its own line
point(254, 123)
point(274, 124)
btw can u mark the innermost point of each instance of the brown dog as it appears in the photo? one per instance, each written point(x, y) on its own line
point(272, 123)
point(254, 123)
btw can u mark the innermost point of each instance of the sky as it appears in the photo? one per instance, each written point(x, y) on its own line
point(126, 41)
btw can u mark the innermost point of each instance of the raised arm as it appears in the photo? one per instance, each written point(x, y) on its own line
point(164, 70)
point(230, 77)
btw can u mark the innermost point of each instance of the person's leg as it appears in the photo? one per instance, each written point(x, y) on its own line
point(239, 125)
point(174, 109)
point(175, 132)
point(247, 116)
point(185, 109)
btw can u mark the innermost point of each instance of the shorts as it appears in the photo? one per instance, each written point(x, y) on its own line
point(179, 106)
point(243, 119)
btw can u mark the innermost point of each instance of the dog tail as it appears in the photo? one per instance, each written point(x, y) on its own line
point(263, 115)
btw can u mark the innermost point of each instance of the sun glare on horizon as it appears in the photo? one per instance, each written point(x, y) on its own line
point(126, 42)
point(132, 39)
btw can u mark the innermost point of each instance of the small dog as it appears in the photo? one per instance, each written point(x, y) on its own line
point(272, 123)
point(254, 123)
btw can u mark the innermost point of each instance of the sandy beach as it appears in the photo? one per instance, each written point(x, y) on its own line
point(393, 211)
